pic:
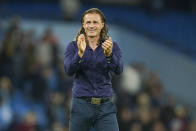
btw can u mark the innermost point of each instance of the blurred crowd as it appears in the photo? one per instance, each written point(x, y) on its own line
point(35, 92)
point(144, 105)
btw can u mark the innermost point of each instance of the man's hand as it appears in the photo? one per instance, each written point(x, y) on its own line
point(81, 45)
point(107, 47)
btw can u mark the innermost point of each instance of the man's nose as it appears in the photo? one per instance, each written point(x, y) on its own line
point(91, 25)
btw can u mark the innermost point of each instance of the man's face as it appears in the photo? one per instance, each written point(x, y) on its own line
point(92, 25)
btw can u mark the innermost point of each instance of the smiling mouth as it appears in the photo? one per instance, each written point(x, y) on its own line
point(91, 31)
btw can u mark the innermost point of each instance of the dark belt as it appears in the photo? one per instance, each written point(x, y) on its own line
point(95, 100)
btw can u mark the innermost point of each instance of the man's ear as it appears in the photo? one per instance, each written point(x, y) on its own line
point(102, 25)
point(83, 31)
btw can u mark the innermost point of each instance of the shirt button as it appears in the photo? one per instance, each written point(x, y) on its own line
point(80, 61)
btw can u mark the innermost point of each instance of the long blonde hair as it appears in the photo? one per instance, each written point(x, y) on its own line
point(104, 31)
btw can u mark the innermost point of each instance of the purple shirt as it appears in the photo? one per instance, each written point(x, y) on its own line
point(93, 72)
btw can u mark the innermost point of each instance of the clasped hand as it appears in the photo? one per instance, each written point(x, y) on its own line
point(81, 45)
point(107, 47)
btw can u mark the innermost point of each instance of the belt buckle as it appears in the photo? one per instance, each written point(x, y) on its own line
point(96, 101)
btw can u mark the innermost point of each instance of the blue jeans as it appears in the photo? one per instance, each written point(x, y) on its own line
point(85, 115)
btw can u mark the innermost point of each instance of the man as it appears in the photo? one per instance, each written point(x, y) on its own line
point(91, 59)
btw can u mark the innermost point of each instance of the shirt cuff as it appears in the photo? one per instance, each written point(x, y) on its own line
point(112, 60)
point(109, 58)
point(77, 59)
